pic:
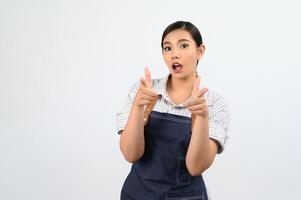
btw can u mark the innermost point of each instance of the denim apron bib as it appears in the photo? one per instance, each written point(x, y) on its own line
point(161, 173)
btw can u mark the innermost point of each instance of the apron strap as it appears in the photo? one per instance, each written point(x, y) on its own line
point(149, 109)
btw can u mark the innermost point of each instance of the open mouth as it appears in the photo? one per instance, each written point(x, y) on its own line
point(177, 67)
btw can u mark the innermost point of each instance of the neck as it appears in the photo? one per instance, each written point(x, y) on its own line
point(179, 84)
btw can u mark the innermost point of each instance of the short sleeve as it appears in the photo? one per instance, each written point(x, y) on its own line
point(219, 117)
point(123, 114)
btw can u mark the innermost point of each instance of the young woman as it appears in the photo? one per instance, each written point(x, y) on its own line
point(170, 128)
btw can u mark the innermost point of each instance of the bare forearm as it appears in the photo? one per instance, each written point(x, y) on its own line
point(132, 137)
point(201, 150)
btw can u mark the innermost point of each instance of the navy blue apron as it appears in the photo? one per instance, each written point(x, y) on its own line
point(161, 173)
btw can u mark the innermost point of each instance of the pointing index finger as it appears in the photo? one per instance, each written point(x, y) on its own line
point(196, 87)
point(148, 78)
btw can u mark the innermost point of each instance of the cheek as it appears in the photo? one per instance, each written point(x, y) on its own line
point(192, 56)
point(165, 58)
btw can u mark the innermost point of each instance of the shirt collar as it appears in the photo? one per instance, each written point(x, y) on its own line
point(160, 88)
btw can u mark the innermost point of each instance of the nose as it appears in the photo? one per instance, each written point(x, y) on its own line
point(175, 54)
point(174, 57)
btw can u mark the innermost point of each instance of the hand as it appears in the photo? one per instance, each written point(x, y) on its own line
point(145, 94)
point(197, 104)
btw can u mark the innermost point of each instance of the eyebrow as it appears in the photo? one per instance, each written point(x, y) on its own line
point(181, 40)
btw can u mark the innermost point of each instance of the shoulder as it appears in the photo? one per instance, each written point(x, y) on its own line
point(157, 81)
point(215, 99)
point(134, 88)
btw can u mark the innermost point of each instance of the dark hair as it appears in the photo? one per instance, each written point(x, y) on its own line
point(192, 29)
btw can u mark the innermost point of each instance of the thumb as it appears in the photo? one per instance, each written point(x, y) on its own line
point(147, 76)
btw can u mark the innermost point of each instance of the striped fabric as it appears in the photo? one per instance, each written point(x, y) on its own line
point(217, 106)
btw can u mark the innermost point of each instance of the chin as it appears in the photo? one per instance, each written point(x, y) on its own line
point(179, 76)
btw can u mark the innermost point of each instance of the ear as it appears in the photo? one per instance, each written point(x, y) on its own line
point(201, 51)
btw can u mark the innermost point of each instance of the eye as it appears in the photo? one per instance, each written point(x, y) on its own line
point(183, 46)
point(166, 48)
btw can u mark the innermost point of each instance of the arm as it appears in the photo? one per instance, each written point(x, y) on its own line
point(132, 138)
point(200, 155)
point(202, 150)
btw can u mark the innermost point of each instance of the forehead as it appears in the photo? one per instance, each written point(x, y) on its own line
point(176, 35)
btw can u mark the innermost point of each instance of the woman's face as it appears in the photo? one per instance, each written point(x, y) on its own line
point(180, 53)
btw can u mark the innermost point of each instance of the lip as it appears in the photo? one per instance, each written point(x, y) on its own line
point(177, 69)
point(175, 63)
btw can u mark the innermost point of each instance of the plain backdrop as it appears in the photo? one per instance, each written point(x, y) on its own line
point(66, 68)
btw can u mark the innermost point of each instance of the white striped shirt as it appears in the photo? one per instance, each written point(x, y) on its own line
point(217, 108)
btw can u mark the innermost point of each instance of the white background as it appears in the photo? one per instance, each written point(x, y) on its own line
point(66, 67)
